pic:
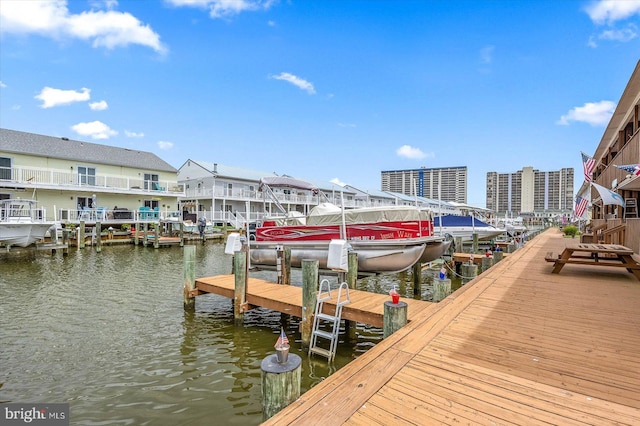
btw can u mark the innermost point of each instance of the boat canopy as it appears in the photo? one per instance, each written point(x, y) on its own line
point(454, 220)
point(325, 215)
point(287, 182)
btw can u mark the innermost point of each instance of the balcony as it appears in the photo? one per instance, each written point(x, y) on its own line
point(63, 180)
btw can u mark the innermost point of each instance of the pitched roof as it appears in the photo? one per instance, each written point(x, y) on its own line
point(67, 149)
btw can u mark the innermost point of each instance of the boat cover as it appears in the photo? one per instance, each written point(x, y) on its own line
point(455, 220)
point(287, 182)
point(325, 215)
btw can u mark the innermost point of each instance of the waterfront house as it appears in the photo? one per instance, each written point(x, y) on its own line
point(620, 145)
point(75, 180)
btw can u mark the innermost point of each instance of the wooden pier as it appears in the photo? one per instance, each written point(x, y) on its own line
point(365, 307)
point(517, 345)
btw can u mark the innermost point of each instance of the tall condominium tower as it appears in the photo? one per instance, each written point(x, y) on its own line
point(530, 191)
point(446, 183)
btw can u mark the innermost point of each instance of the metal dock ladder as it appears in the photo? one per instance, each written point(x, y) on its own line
point(331, 322)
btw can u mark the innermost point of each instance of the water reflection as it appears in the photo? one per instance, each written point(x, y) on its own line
point(107, 333)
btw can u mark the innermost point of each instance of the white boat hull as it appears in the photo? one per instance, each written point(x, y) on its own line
point(22, 234)
point(466, 232)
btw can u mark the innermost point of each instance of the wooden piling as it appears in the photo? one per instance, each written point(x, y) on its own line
point(441, 289)
point(81, 235)
point(280, 383)
point(145, 234)
point(395, 317)
point(474, 249)
point(189, 262)
point(417, 278)
point(98, 237)
point(468, 272)
point(136, 234)
point(487, 262)
point(65, 242)
point(240, 294)
point(181, 233)
point(287, 266)
point(497, 256)
point(156, 235)
point(351, 279)
point(310, 274)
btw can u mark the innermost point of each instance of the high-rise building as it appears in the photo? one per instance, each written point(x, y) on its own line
point(445, 183)
point(530, 191)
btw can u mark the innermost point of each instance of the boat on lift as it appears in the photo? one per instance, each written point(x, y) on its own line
point(386, 239)
point(21, 223)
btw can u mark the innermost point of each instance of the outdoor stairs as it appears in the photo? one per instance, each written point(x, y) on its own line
point(327, 326)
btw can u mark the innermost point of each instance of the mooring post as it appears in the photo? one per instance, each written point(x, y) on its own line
point(487, 262)
point(280, 383)
point(417, 278)
point(351, 280)
point(145, 234)
point(240, 294)
point(181, 233)
point(136, 231)
point(395, 317)
point(497, 256)
point(65, 241)
point(189, 256)
point(441, 289)
point(156, 235)
point(468, 271)
point(81, 235)
point(98, 237)
point(279, 264)
point(287, 266)
point(458, 246)
point(310, 274)
point(475, 243)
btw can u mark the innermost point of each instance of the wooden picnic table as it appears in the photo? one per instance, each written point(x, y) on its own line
point(595, 255)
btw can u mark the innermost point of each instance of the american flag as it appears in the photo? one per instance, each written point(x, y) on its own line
point(631, 168)
point(282, 339)
point(588, 164)
point(581, 206)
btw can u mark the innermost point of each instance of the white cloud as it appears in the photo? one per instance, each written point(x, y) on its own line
point(337, 181)
point(486, 54)
point(610, 11)
point(129, 134)
point(108, 28)
point(411, 152)
point(296, 81)
point(94, 129)
point(51, 97)
point(346, 125)
point(624, 35)
point(2, 85)
point(98, 106)
point(165, 145)
point(593, 113)
point(226, 8)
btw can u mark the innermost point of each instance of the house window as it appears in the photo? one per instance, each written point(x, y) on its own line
point(151, 181)
point(86, 175)
point(5, 168)
point(84, 202)
point(151, 203)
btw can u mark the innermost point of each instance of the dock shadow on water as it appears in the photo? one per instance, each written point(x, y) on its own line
point(107, 333)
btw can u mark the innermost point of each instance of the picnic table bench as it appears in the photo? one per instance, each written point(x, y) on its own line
point(595, 255)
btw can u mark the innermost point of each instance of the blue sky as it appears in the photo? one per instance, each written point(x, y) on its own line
point(323, 90)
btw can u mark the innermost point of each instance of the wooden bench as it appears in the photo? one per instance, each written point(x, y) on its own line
point(551, 256)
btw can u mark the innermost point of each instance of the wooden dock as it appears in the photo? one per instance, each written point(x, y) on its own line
point(365, 307)
point(517, 345)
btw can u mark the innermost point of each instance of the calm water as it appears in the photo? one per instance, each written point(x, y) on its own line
point(107, 333)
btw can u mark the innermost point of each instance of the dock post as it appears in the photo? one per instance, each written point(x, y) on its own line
point(417, 278)
point(98, 237)
point(156, 235)
point(395, 317)
point(458, 246)
point(81, 235)
point(279, 264)
point(497, 256)
point(65, 242)
point(511, 248)
point(240, 294)
point(441, 289)
point(310, 275)
point(487, 262)
point(280, 383)
point(468, 272)
point(351, 279)
point(286, 267)
point(181, 224)
point(474, 249)
point(145, 234)
point(136, 234)
point(189, 261)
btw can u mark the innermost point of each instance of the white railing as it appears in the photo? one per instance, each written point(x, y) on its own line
point(26, 176)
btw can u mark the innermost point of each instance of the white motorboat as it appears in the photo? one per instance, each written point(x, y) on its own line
point(464, 227)
point(21, 223)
